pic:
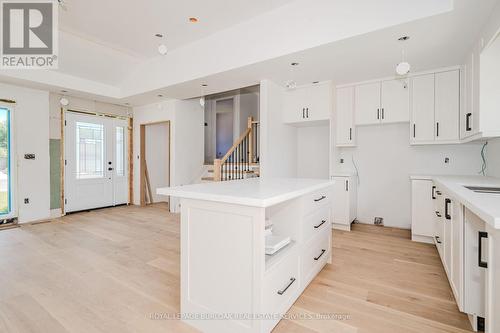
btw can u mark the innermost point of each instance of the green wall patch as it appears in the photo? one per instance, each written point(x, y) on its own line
point(55, 173)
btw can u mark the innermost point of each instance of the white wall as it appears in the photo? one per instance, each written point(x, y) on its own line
point(31, 135)
point(278, 145)
point(385, 161)
point(187, 141)
point(157, 157)
point(313, 152)
point(249, 107)
point(493, 158)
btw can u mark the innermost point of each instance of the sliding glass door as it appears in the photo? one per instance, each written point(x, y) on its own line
point(5, 163)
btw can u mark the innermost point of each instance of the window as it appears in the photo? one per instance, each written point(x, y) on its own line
point(120, 151)
point(89, 150)
point(5, 172)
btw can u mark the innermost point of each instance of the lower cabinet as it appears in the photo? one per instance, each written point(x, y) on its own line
point(345, 202)
point(422, 210)
point(469, 249)
point(475, 270)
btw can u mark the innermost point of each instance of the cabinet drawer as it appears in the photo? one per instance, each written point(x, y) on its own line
point(315, 255)
point(281, 286)
point(313, 201)
point(316, 223)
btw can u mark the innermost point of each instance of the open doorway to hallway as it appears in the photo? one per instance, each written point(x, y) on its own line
point(155, 161)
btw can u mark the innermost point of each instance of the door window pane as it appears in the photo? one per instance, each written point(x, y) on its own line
point(5, 196)
point(120, 151)
point(89, 150)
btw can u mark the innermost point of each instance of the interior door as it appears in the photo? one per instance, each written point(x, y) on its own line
point(96, 172)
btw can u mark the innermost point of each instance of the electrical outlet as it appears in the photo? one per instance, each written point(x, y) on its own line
point(446, 160)
point(26, 200)
point(378, 221)
point(341, 161)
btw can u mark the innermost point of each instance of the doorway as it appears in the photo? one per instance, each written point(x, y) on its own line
point(6, 206)
point(96, 168)
point(154, 161)
point(224, 123)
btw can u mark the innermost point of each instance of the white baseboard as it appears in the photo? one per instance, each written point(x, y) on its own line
point(422, 239)
point(341, 227)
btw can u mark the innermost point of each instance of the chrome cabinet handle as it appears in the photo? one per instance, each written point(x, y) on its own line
point(281, 292)
point(319, 199)
point(319, 225)
point(322, 252)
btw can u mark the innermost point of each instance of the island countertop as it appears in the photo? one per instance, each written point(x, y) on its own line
point(255, 192)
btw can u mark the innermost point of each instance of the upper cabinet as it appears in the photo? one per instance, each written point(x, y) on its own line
point(344, 110)
point(382, 102)
point(309, 104)
point(367, 104)
point(435, 108)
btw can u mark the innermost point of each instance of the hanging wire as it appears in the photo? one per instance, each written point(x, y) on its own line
point(483, 158)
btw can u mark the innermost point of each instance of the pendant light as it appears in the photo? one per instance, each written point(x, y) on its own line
point(403, 68)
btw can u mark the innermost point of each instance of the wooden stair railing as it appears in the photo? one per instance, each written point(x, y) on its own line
point(238, 159)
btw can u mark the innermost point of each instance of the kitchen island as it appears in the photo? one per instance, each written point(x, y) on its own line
point(228, 283)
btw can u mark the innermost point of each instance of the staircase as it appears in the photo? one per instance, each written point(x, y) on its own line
point(242, 159)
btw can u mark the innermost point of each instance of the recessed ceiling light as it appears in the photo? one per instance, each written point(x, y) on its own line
point(159, 35)
point(294, 64)
point(204, 85)
point(162, 49)
point(314, 82)
point(64, 91)
point(160, 95)
point(403, 38)
point(193, 20)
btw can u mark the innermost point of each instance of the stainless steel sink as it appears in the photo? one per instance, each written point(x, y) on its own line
point(484, 189)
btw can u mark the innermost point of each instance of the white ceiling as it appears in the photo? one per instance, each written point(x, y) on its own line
point(335, 41)
point(130, 25)
point(438, 41)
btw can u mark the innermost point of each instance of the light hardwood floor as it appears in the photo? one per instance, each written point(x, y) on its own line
point(109, 270)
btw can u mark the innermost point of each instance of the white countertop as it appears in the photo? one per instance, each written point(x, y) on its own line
point(256, 192)
point(484, 205)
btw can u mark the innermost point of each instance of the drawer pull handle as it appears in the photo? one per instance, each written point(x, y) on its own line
point(319, 199)
point(322, 252)
point(438, 214)
point(481, 263)
point(281, 292)
point(319, 225)
point(438, 192)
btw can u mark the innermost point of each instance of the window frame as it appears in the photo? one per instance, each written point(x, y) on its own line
point(12, 161)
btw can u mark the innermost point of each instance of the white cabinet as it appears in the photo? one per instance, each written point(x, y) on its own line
point(422, 210)
point(447, 104)
point(308, 104)
point(493, 280)
point(457, 258)
point(395, 101)
point(344, 111)
point(367, 104)
point(382, 102)
point(344, 201)
point(480, 117)
point(435, 108)
point(474, 270)
point(422, 108)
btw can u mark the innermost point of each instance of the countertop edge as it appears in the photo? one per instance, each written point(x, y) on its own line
point(252, 202)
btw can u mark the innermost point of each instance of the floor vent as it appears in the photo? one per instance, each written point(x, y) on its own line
point(378, 221)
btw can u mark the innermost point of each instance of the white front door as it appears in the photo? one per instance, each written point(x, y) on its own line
point(96, 173)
